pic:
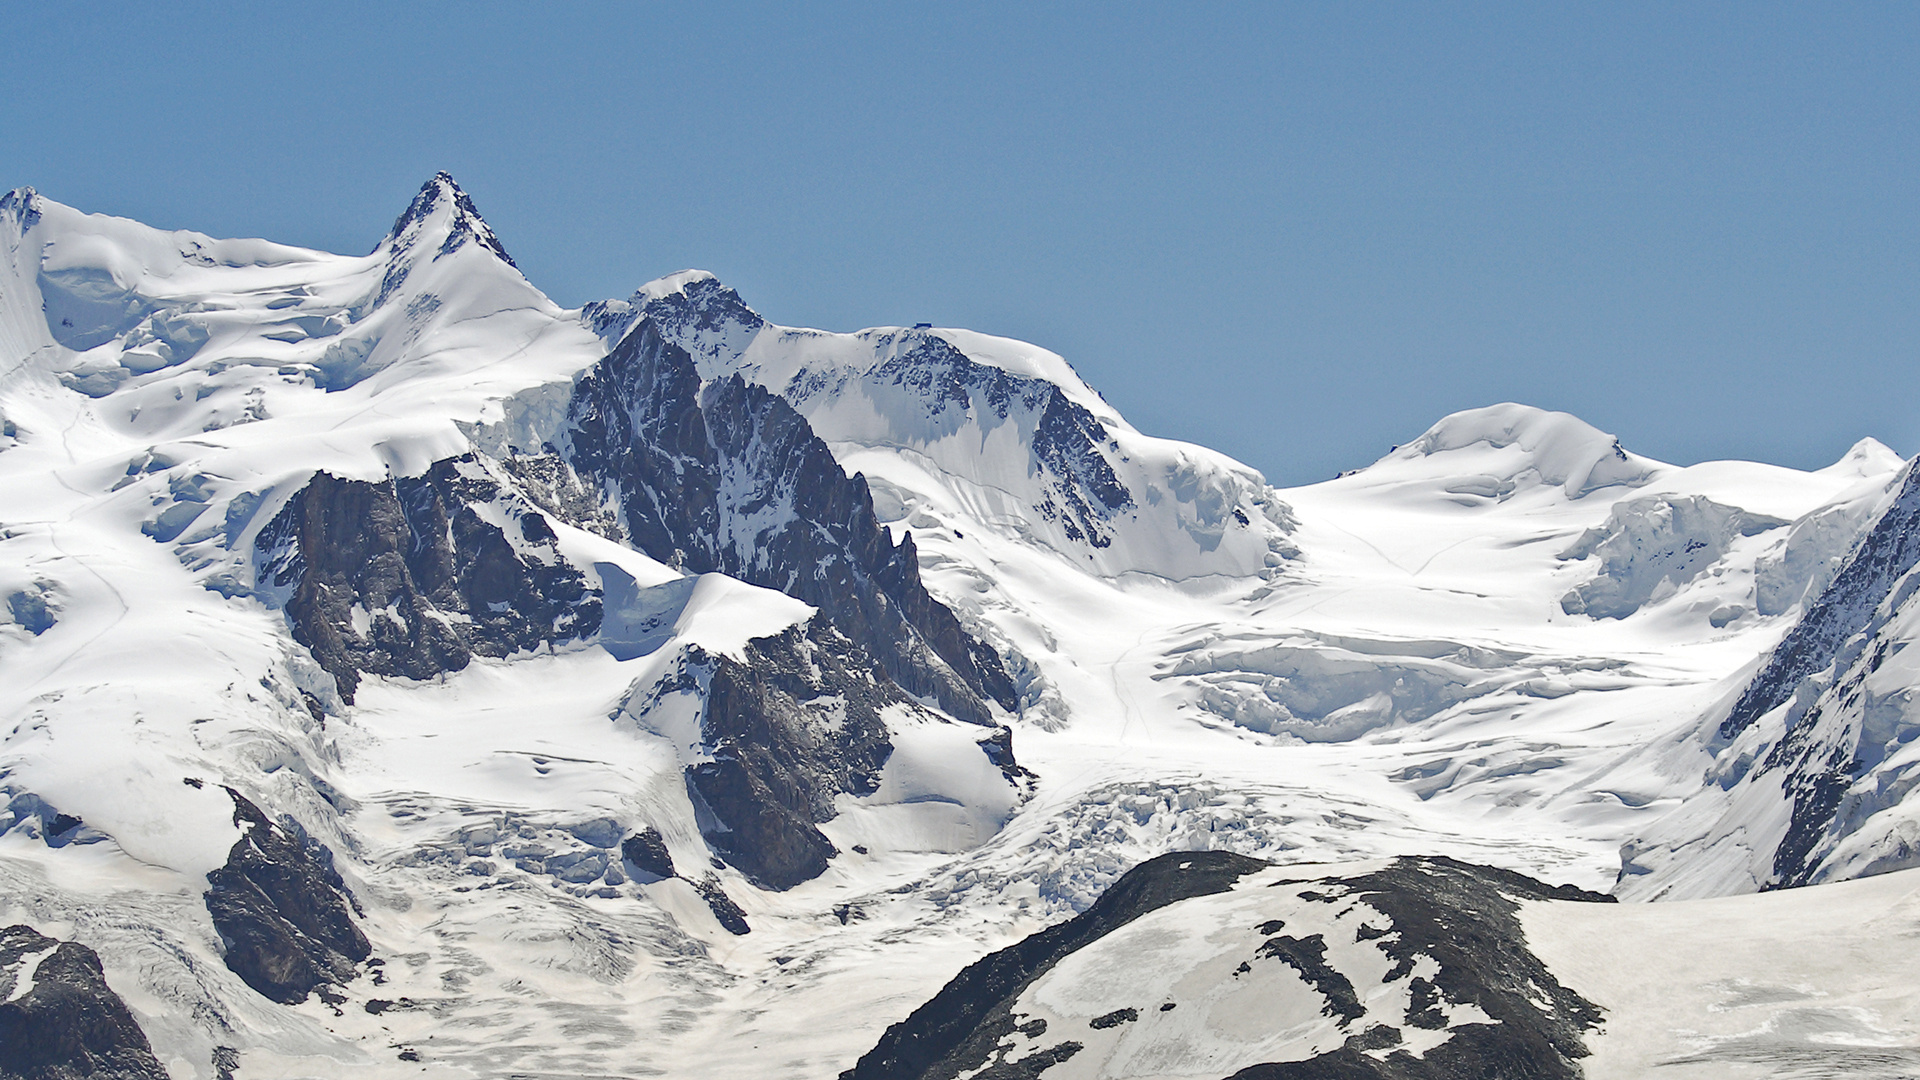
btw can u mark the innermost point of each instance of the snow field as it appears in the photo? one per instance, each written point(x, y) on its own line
point(1715, 988)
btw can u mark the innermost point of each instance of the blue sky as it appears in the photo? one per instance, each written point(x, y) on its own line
point(1298, 233)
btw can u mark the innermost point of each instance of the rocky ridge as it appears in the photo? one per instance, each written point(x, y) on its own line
point(1808, 767)
point(408, 578)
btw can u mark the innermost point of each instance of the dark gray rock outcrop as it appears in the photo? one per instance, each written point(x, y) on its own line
point(1835, 761)
point(786, 727)
point(732, 479)
point(1465, 917)
point(283, 913)
point(406, 578)
point(927, 373)
point(725, 911)
point(647, 851)
point(59, 1020)
point(702, 316)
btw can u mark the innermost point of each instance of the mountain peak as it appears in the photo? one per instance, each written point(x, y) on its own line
point(1867, 458)
point(442, 202)
point(1560, 448)
point(23, 205)
point(663, 287)
point(693, 307)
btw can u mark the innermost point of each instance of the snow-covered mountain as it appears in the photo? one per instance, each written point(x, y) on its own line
point(401, 670)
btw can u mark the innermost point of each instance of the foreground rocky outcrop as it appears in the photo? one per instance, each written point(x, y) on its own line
point(59, 1020)
point(283, 913)
point(960, 1029)
point(1418, 969)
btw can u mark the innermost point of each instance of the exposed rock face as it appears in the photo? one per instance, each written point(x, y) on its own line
point(407, 578)
point(732, 479)
point(415, 576)
point(1809, 769)
point(1824, 729)
point(59, 1020)
point(282, 911)
point(552, 485)
point(999, 749)
point(1464, 917)
point(722, 905)
point(1069, 445)
point(784, 731)
point(702, 316)
point(647, 851)
point(20, 205)
point(1446, 933)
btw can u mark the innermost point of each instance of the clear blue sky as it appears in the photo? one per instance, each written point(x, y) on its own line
point(1297, 233)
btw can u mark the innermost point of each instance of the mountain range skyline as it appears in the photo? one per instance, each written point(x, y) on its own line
point(1618, 214)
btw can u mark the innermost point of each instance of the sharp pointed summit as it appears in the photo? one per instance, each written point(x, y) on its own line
point(442, 203)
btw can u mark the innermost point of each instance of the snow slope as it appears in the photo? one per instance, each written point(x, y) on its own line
point(1807, 761)
point(1807, 982)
